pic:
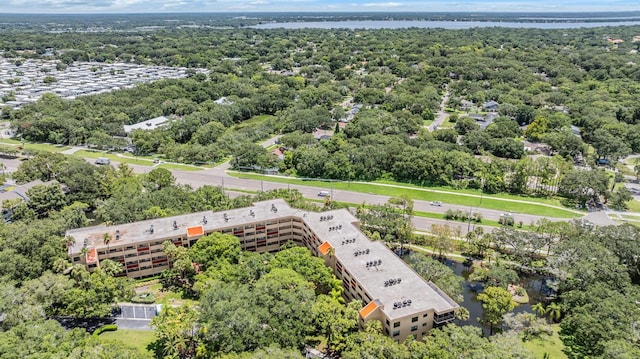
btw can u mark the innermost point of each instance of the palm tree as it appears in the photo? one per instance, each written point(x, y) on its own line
point(110, 267)
point(79, 273)
point(83, 252)
point(554, 311)
point(462, 314)
point(331, 253)
point(539, 309)
point(106, 238)
point(69, 241)
point(60, 265)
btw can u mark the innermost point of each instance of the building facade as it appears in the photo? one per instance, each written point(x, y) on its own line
point(391, 291)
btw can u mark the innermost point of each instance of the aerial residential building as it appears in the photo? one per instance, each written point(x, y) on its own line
point(391, 291)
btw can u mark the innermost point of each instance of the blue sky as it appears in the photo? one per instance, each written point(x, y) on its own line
point(154, 6)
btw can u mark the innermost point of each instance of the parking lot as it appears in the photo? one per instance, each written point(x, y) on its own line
point(143, 312)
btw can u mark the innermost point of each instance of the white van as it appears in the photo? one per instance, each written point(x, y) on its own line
point(103, 161)
point(323, 194)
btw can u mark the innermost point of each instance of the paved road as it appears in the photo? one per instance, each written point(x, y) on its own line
point(218, 177)
point(441, 115)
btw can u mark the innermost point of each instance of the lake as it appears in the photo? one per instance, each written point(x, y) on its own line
point(430, 24)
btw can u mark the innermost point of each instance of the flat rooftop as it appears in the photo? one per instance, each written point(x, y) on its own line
point(370, 263)
point(340, 232)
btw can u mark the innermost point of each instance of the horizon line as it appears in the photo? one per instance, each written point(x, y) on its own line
point(620, 12)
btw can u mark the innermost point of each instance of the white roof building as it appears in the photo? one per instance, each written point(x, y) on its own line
point(149, 125)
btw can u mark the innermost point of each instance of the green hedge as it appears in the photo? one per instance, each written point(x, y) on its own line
point(144, 298)
point(105, 328)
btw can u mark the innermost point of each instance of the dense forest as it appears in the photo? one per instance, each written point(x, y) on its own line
point(378, 89)
point(377, 92)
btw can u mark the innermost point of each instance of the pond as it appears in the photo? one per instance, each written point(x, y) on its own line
point(533, 284)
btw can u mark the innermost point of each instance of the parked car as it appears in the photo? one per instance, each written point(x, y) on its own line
point(103, 161)
point(323, 194)
point(436, 203)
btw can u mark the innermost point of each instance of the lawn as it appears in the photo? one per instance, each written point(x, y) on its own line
point(447, 123)
point(465, 199)
point(485, 222)
point(634, 205)
point(138, 339)
point(552, 345)
point(163, 297)
point(251, 122)
point(177, 166)
point(475, 192)
point(44, 147)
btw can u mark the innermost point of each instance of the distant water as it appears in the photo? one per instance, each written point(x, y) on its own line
point(427, 24)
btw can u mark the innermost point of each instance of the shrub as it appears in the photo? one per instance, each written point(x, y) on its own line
point(449, 214)
point(144, 298)
point(105, 328)
point(477, 217)
point(506, 221)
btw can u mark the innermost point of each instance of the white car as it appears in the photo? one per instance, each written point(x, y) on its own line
point(436, 203)
point(323, 194)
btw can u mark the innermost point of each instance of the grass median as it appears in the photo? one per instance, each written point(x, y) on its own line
point(532, 205)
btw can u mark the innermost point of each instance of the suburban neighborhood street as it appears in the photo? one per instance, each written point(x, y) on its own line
point(441, 115)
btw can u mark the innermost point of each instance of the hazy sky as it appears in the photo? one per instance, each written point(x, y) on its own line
point(148, 6)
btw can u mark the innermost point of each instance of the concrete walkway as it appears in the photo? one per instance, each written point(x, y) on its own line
point(72, 150)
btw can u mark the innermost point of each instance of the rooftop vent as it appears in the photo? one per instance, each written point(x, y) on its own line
point(117, 234)
point(273, 208)
point(251, 213)
point(392, 281)
point(86, 241)
point(402, 304)
point(226, 219)
point(204, 219)
point(175, 225)
point(151, 229)
point(360, 252)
